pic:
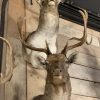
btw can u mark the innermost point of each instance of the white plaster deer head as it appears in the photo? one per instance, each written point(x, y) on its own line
point(49, 2)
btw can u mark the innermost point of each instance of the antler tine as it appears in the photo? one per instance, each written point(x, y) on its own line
point(4, 79)
point(83, 39)
point(22, 37)
point(34, 48)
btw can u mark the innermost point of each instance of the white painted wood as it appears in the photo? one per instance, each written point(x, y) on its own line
point(77, 97)
point(85, 88)
point(85, 73)
point(95, 41)
point(88, 61)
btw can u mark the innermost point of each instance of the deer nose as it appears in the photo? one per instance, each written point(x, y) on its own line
point(57, 71)
point(52, 0)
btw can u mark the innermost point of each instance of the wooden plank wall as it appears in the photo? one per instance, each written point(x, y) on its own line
point(85, 71)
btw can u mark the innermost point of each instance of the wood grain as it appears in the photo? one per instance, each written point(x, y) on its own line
point(85, 73)
point(85, 88)
point(78, 97)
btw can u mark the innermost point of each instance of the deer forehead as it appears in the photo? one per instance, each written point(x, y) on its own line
point(56, 58)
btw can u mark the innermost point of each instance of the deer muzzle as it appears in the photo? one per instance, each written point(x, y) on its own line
point(51, 3)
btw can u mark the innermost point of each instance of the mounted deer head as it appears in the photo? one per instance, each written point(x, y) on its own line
point(7, 77)
point(67, 48)
point(48, 2)
point(57, 66)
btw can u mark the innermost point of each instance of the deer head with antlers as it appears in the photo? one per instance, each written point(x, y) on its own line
point(81, 40)
point(58, 85)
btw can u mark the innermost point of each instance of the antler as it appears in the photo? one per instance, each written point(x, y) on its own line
point(4, 79)
point(83, 39)
point(23, 37)
point(34, 48)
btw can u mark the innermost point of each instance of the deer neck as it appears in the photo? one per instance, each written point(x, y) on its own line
point(61, 92)
point(48, 20)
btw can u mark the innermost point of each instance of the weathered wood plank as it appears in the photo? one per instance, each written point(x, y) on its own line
point(68, 24)
point(85, 88)
point(70, 32)
point(77, 97)
point(16, 9)
point(32, 15)
point(87, 49)
point(87, 60)
point(85, 73)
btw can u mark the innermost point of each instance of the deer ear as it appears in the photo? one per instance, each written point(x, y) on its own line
point(72, 57)
point(43, 62)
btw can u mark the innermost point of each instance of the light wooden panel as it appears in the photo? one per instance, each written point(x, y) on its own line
point(70, 32)
point(16, 10)
point(88, 61)
point(77, 97)
point(85, 88)
point(67, 24)
point(85, 73)
point(32, 15)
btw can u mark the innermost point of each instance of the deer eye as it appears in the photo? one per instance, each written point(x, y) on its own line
point(45, 62)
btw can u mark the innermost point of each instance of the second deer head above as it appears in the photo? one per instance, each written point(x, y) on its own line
point(52, 3)
point(81, 41)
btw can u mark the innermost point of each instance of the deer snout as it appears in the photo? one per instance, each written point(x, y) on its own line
point(57, 72)
point(52, 0)
point(52, 3)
